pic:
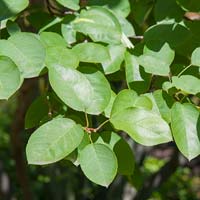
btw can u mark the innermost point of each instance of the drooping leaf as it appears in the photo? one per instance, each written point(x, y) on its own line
point(53, 141)
point(98, 158)
point(186, 129)
point(144, 126)
point(195, 59)
point(26, 51)
point(100, 24)
point(10, 78)
point(91, 52)
point(9, 8)
point(85, 90)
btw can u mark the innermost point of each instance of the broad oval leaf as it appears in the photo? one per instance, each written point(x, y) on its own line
point(85, 90)
point(26, 51)
point(195, 59)
point(53, 141)
point(186, 129)
point(126, 164)
point(91, 52)
point(144, 126)
point(51, 39)
point(129, 98)
point(98, 163)
point(61, 56)
point(9, 8)
point(10, 78)
point(100, 24)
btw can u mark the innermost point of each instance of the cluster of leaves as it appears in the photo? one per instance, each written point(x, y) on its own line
point(95, 44)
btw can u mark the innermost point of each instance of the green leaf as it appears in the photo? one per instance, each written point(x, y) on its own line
point(185, 129)
point(100, 24)
point(187, 83)
point(126, 164)
point(26, 51)
point(9, 8)
point(121, 7)
point(107, 111)
point(53, 141)
point(129, 98)
point(195, 59)
point(67, 29)
point(10, 79)
point(157, 62)
point(116, 58)
point(91, 52)
point(72, 4)
point(51, 39)
point(144, 126)
point(36, 112)
point(12, 27)
point(161, 104)
point(98, 163)
point(86, 90)
point(168, 10)
point(61, 56)
point(132, 68)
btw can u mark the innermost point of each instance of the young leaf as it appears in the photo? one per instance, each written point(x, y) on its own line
point(10, 78)
point(53, 141)
point(98, 158)
point(85, 90)
point(186, 129)
point(26, 51)
point(144, 126)
point(91, 52)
